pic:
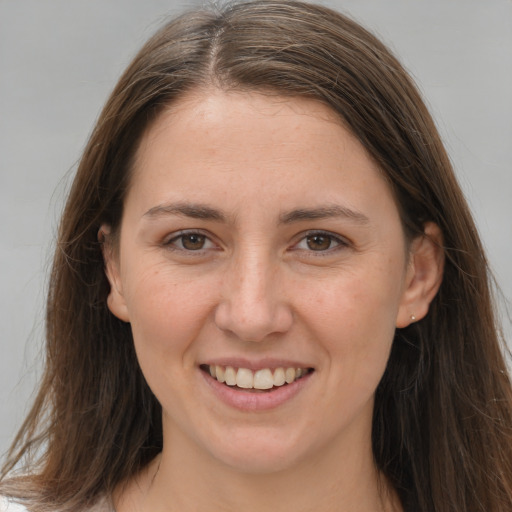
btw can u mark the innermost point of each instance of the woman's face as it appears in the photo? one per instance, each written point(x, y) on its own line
point(259, 241)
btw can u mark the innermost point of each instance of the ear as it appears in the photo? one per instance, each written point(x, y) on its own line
point(115, 301)
point(423, 276)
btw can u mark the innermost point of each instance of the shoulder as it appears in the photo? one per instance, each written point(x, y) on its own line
point(10, 506)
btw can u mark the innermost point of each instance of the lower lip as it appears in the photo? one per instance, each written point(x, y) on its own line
point(254, 401)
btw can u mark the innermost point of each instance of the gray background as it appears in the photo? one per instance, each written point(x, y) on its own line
point(60, 58)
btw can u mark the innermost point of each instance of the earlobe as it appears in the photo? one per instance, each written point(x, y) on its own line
point(115, 300)
point(423, 277)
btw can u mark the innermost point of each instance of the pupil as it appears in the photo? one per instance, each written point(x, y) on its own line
point(193, 242)
point(318, 242)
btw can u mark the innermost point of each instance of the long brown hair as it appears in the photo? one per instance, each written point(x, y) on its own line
point(442, 426)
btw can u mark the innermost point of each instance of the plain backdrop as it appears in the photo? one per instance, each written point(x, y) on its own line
point(59, 59)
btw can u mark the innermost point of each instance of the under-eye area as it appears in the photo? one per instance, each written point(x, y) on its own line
point(264, 379)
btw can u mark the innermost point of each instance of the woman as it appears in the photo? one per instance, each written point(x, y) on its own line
point(268, 290)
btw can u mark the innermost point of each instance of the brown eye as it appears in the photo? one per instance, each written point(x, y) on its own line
point(193, 241)
point(189, 242)
point(319, 242)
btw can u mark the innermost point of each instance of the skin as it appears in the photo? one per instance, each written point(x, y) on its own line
point(260, 286)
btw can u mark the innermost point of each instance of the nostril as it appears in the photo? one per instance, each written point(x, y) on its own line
point(253, 323)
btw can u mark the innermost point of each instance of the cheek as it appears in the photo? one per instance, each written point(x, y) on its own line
point(354, 322)
point(166, 314)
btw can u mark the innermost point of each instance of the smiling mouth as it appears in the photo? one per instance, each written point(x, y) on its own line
point(262, 380)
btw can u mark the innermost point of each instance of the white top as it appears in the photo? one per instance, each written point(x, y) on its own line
point(6, 505)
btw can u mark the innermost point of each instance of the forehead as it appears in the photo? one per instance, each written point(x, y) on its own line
point(232, 143)
point(257, 117)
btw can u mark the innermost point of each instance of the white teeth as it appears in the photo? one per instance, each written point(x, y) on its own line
point(263, 379)
point(260, 379)
point(244, 378)
point(289, 375)
point(230, 376)
point(220, 373)
point(279, 377)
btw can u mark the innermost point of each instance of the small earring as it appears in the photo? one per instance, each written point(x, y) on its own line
point(413, 318)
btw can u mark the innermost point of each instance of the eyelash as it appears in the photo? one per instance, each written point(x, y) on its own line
point(339, 242)
point(171, 243)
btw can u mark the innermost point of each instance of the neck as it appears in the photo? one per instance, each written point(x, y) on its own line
point(182, 479)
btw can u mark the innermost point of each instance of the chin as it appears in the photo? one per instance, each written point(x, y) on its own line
point(261, 464)
point(258, 454)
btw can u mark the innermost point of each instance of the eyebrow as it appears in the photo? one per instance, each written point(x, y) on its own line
point(205, 212)
point(324, 212)
point(194, 211)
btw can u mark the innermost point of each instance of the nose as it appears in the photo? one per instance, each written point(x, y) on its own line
point(253, 305)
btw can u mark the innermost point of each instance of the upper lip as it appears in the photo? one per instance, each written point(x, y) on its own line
point(259, 364)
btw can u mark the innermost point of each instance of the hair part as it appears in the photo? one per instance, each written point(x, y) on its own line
point(442, 426)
